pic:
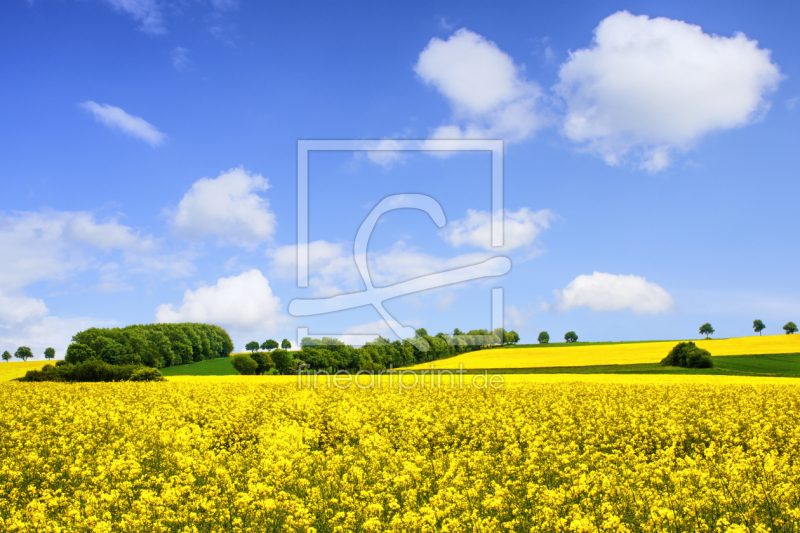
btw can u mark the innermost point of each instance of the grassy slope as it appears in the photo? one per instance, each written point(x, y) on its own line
point(213, 367)
point(781, 365)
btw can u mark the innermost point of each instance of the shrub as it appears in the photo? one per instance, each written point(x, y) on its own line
point(688, 355)
point(263, 362)
point(146, 374)
point(93, 370)
point(244, 364)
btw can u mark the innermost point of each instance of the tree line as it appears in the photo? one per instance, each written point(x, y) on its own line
point(332, 355)
point(153, 345)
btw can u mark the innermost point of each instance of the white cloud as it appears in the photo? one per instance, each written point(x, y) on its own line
point(332, 267)
point(148, 12)
point(520, 228)
point(609, 292)
point(227, 207)
point(26, 322)
point(488, 92)
point(243, 303)
point(654, 86)
point(355, 336)
point(180, 58)
point(117, 118)
point(385, 153)
point(49, 245)
point(517, 317)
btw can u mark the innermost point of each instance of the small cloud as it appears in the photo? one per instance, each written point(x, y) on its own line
point(180, 58)
point(445, 25)
point(791, 103)
point(147, 12)
point(608, 292)
point(117, 118)
point(520, 228)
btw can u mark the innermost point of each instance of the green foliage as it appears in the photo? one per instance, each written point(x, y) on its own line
point(688, 355)
point(269, 345)
point(263, 361)
point(251, 346)
point(706, 329)
point(284, 361)
point(153, 345)
point(6, 356)
point(49, 353)
point(422, 332)
point(24, 353)
point(511, 337)
point(244, 364)
point(79, 353)
point(93, 370)
point(286, 345)
point(758, 326)
point(570, 336)
point(790, 328)
point(544, 337)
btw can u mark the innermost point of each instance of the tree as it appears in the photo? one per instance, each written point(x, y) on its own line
point(544, 337)
point(512, 337)
point(283, 361)
point(422, 332)
point(251, 346)
point(23, 352)
point(6, 356)
point(264, 362)
point(706, 329)
point(49, 353)
point(758, 326)
point(570, 336)
point(286, 345)
point(269, 345)
point(688, 355)
point(790, 328)
point(244, 364)
point(457, 332)
point(79, 353)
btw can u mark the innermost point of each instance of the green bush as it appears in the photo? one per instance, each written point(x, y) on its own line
point(93, 370)
point(688, 355)
point(244, 364)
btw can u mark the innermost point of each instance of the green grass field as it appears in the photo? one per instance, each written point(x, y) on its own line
point(779, 365)
point(213, 367)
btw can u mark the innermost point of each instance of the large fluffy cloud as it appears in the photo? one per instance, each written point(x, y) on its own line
point(117, 118)
point(609, 292)
point(488, 92)
point(657, 85)
point(242, 303)
point(49, 245)
point(228, 207)
point(520, 228)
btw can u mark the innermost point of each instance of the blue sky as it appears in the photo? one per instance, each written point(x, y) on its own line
point(148, 163)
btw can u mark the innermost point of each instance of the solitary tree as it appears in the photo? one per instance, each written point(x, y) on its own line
point(758, 326)
point(6, 356)
point(286, 345)
point(570, 336)
point(23, 352)
point(49, 353)
point(790, 328)
point(252, 346)
point(512, 337)
point(706, 329)
point(544, 337)
point(269, 345)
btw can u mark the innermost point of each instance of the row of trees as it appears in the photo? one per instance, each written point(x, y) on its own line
point(790, 327)
point(153, 345)
point(268, 345)
point(332, 354)
point(25, 353)
point(544, 337)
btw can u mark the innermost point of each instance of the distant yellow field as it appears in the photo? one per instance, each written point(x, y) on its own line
point(14, 370)
point(611, 354)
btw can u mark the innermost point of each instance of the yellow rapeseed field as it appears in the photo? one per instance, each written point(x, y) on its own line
point(612, 354)
point(17, 369)
point(539, 454)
